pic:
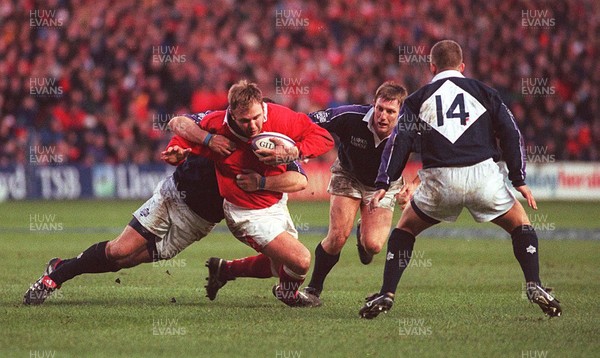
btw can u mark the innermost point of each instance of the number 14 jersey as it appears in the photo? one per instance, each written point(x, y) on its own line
point(459, 122)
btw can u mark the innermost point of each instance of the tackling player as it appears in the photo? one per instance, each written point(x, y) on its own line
point(467, 129)
point(183, 209)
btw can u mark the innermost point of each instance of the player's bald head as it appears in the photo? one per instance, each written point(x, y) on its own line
point(446, 54)
point(242, 95)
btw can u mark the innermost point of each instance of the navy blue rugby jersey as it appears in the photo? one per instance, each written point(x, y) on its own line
point(196, 179)
point(359, 148)
point(459, 122)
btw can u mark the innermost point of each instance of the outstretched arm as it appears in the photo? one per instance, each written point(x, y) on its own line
point(174, 154)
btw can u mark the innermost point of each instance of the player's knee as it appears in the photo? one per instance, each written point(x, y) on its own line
point(112, 251)
point(335, 240)
point(302, 262)
point(116, 252)
point(373, 246)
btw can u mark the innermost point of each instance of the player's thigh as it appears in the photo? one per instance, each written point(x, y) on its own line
point(342, 211)
point(129, 244)
point(287, 250)
point(258, 227)
point(440, 195)
point(168, 221)
point(513, 218)
point(487, 197)
point(186, 228)
point(346, 195)
point(411, 222)
point(375, 227)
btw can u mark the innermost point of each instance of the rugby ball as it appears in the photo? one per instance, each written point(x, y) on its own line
point(263, 140)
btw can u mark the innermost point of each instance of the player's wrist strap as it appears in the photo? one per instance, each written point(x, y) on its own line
point(261, 183)
point(207, 139)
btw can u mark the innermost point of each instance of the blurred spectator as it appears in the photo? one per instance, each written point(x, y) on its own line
point(100, 79)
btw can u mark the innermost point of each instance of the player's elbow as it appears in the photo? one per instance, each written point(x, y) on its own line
point(329, 142)
point(302, 183)
point(176, 123)
point(297, 182)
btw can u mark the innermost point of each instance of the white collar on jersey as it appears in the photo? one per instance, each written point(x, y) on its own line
point(446, 74)
point(369, 119)
point(226, 121)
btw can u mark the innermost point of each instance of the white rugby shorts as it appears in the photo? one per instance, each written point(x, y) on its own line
point(258, 227)
point(167, 216)
point(343, 183)
point(480, 188)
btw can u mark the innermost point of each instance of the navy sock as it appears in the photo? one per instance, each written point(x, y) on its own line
point(399, 251)
point(324, 262)
point(92, 260)
point(525, 248)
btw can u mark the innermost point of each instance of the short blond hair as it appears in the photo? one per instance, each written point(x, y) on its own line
point(243, 94)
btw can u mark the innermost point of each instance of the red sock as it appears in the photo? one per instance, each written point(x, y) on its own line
point(289, 281)
point(258, 266)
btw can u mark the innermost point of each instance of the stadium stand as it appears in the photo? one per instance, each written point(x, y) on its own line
point(98, 80)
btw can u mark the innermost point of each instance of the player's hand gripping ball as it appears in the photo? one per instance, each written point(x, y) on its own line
point(263, 141)
point(275, 148)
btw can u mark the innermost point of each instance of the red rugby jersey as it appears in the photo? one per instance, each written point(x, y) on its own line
point(310, 139)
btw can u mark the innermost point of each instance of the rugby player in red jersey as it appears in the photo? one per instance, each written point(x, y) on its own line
point(260, 218)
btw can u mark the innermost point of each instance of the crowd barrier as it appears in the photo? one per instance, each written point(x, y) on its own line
point(548, 181)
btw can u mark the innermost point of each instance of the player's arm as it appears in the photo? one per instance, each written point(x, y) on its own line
point(407, 191)
point(397, 149)
point(176, 151)
point(510, 140)
point(311, 141)
point(179, 148)
point(293, 180)
point(332, 119)
point(187, 127)
point(513, 148)
point(395, 155)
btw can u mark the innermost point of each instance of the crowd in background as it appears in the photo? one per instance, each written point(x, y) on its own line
point(97, 81)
